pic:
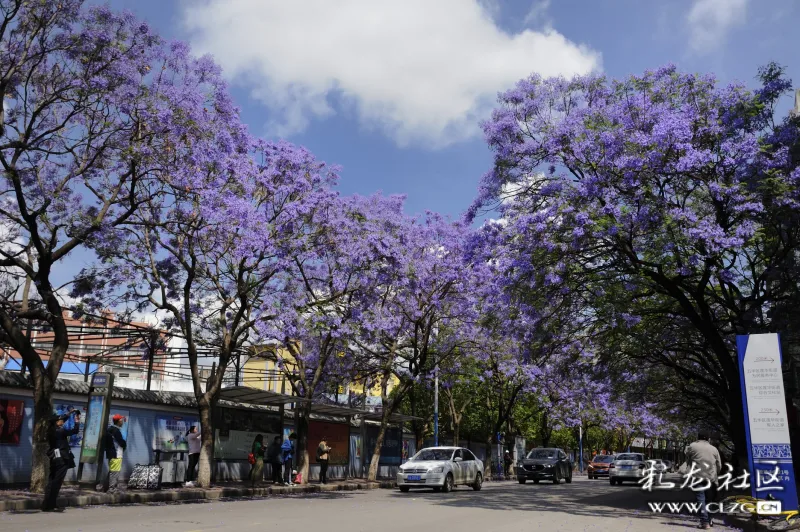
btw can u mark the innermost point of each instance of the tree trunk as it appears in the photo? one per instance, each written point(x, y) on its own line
point(301, 416)
point(487, 465)
point(737, 429)
point(42, 410)
point(204, 471)
point(456, 431)
point(376, 452)
point(419, 434)
point(545, 431)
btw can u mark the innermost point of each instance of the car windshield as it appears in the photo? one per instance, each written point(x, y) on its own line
point(603, 459)
point(542, 454)
point(432, 454)
point(635, 457)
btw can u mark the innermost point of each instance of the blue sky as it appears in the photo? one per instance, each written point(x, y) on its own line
point(393, 90)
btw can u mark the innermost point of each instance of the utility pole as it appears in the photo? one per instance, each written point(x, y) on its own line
point(436, 402)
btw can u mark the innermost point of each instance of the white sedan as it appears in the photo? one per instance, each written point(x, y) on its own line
point(441, 468)
point(627, 466)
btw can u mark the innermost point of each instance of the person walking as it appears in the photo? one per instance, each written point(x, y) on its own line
point(115, 444)
point(508, 464)
point(703, 458)
point(274, 460)
point(323, 454)
point(193, 438)
point(287, 450)
point(257, 469)
point(60, 455)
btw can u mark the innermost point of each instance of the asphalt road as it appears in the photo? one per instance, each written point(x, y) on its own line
point(581, 506)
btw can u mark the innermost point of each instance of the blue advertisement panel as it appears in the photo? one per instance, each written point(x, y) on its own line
point(171, 432)
point(93, 428)
point(392, 448)
point(766, 422)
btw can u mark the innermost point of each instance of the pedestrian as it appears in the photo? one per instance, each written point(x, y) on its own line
point(323, 453)
point(60, 455)
point(4, 361)
point(115, 444)
point(703, 458)
point(508, 462)
point(193, 437)
point(257, 469)
point(288, 456)
point(274, 460)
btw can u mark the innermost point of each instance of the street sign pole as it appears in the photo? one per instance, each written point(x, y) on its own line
point(766, 420)
point(94, 428)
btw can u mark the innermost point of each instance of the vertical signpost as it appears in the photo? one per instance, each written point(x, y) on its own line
point(500, 461)
point(96, 419)
point(766, 421)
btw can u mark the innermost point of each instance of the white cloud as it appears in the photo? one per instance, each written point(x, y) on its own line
point(538, 15)
point(711, 20)
point(420, 71)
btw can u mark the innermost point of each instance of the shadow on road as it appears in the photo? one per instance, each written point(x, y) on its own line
point(593, 499)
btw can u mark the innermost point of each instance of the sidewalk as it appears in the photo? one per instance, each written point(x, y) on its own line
point(74, 496)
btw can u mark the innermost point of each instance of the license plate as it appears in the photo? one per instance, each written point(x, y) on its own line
point(414, 477)
point(626, 467)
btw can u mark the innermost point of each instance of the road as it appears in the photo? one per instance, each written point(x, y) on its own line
point(581, 506)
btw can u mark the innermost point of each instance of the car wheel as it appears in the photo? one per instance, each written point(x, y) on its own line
point(521, 480)
point(536, 481)
point(568, 480)
point(404, 489)
point(447, 487)
point(612, 481)
point(591, 477)
point(556, 477)
point(478, 483)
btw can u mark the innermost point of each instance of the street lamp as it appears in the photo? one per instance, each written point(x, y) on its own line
point(580, 437)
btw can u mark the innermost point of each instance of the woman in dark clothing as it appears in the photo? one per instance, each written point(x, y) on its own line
point(61, 458)
point(257, 469)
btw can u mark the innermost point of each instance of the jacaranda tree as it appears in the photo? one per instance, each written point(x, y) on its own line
point(214, 250)
point(425, 314)
point(95, 109)
point(669, 187)
point(352, 247)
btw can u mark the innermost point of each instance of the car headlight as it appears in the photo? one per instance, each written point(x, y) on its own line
point(548, 466)
point(436, 470)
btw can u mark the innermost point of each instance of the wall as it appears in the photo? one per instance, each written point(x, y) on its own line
point(15, 460)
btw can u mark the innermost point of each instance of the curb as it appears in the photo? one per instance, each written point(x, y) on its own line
point(189, 494)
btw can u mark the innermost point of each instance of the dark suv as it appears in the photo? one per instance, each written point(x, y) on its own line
point(545, 464)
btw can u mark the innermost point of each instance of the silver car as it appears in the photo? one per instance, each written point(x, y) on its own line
point(627, 466)
point(441, 468)
point(657, 465)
